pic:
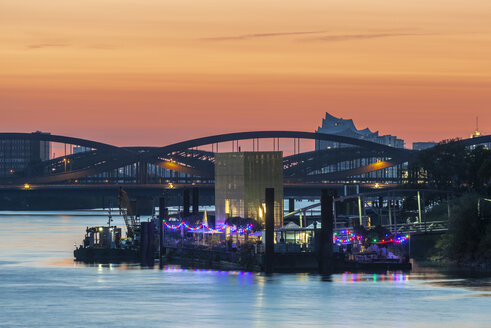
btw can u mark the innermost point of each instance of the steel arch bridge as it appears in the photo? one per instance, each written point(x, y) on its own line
point(183, 161)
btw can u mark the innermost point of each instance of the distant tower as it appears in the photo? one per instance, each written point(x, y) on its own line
point(476, 132)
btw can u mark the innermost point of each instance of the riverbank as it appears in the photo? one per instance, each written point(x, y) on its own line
point(452, 267)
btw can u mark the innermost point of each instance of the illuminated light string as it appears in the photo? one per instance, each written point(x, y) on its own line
point(350, 238)
point(202, 227)
point(179, 269)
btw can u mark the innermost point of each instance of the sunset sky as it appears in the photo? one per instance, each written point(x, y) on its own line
point(152, 72)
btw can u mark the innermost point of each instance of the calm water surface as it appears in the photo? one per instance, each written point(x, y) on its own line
point(40, 286)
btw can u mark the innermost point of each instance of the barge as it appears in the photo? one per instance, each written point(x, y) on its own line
point(104, 245)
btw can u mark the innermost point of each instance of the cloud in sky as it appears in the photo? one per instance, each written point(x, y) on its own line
point(325, 38)
point(348, 37)
point(46, 45)
point(259, 35)
point(101, 46)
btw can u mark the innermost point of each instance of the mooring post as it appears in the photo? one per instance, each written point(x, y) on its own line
point(395, 215)
point(420, 219)
point(143, 242)
point(424, 208)
point(150, 257)
point(161, 226)
point(269, 253)
point(389, 208)
point(327, 221)
point(448, 206)
point(360, 211)
point(334, 214)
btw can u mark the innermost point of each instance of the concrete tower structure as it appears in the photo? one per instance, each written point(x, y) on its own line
point(240, 182)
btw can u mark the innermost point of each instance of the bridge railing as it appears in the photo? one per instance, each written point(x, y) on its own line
point(409, 228)
point(432, 226)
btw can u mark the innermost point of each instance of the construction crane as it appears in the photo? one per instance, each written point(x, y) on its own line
point(125, 210)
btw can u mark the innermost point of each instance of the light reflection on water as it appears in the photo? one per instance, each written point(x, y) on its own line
point(42, 286)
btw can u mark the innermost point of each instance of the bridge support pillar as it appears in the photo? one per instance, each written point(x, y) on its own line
point(291, 205)
point(185, 202)
point(142, 172)
point(134, 208)
point(145, 205)
point(195, 200)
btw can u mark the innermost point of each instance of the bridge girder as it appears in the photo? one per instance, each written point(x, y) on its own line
point(108, 157)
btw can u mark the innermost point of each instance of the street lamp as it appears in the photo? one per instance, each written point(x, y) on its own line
point(66, 161)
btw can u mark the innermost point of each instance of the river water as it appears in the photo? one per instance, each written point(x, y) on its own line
point(41, 286)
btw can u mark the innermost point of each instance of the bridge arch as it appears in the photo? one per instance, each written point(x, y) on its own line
point(121, 156)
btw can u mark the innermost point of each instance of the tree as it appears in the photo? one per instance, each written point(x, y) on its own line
point(469, 233)
point(444, 163)
point(451, 165)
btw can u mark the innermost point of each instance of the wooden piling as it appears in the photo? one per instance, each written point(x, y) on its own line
point(161, 219)
point(327, 222)
point(269, 251)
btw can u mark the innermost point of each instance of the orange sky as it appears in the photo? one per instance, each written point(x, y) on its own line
point(151, 72)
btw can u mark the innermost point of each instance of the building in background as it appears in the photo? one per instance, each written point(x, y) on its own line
point(346, 128)
point(81, 149)
point(240, 182)
point(17, 154)
point(423, 145)
point(478, 134)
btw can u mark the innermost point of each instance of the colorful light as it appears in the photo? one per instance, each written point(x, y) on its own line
point(205, 227)
point(350, 237)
